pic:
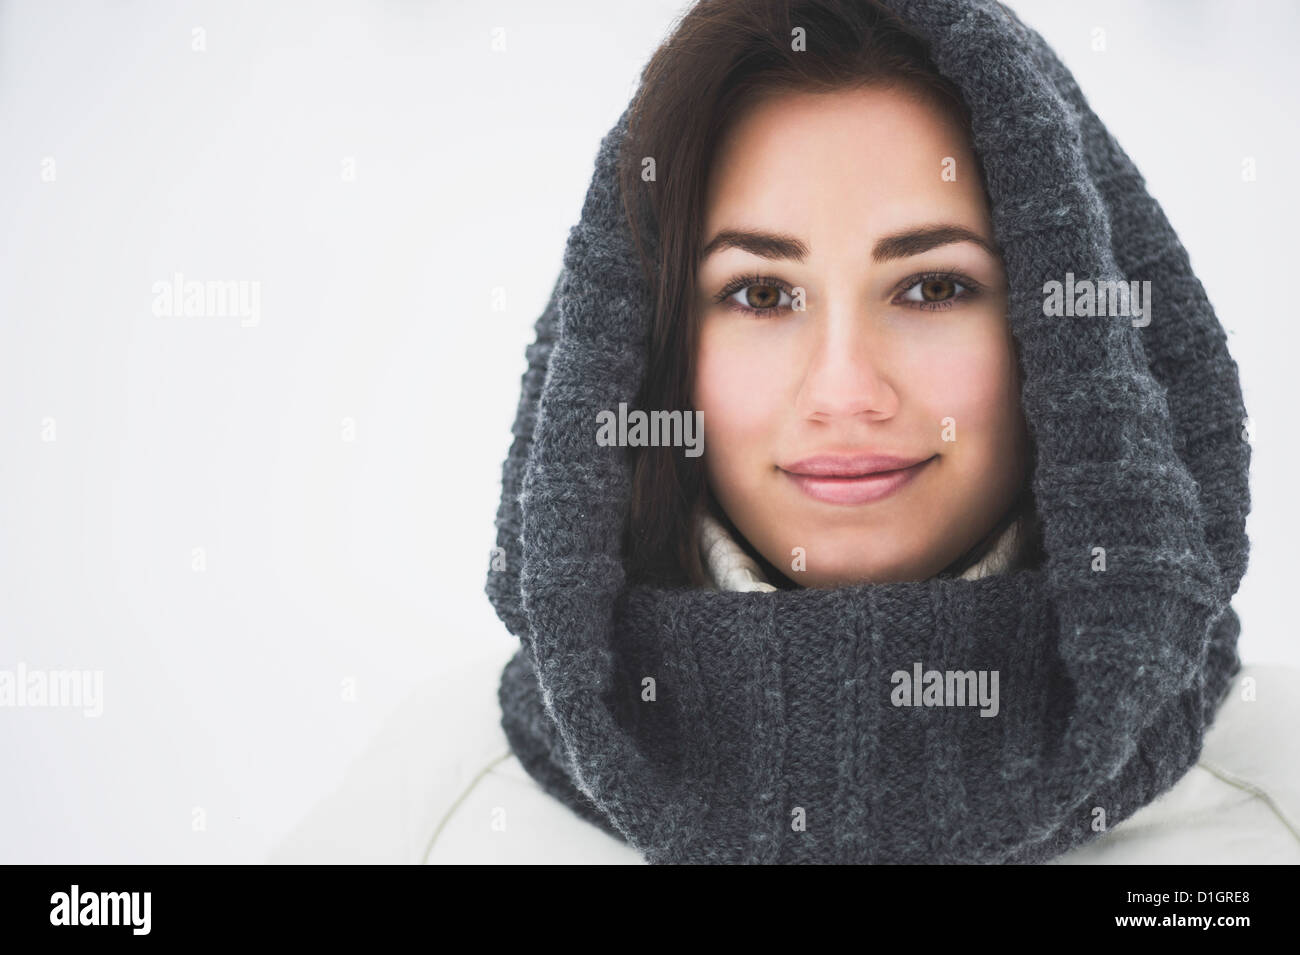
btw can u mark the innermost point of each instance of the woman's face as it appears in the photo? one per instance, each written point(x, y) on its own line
point(901, 348)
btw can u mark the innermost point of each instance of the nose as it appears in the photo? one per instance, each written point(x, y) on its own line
point(847, 366)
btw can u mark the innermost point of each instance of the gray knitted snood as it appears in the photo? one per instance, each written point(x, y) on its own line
point(705, 726)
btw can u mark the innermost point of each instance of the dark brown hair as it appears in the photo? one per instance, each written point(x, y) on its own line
point(721, 56)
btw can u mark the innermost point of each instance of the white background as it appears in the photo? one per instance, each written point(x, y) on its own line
point(329, 560)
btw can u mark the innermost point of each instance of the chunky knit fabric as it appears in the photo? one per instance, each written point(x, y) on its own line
point(764, 727)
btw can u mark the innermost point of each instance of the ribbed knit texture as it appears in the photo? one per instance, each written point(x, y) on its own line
point(775, 706)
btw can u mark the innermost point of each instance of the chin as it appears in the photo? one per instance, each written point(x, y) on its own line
point(850, 573)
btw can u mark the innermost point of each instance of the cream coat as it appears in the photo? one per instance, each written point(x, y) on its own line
point(439, 784)
point(418, 780)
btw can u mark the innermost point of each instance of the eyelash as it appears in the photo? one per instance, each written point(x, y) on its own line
point(971, 289)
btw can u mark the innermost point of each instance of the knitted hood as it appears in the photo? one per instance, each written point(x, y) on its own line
point(707, 726)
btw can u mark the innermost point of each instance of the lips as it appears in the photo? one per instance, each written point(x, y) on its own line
point(853, 479)
point(850, 465)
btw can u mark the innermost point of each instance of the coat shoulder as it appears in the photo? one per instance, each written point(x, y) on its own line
point(1240, 803)
point(505, 817)
point(390, 799)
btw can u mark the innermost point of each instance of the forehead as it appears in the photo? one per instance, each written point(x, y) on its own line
point(872, 157)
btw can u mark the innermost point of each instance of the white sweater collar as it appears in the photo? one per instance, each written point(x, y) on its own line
point(730, 568)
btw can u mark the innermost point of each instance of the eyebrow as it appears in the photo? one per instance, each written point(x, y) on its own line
point(901, 245)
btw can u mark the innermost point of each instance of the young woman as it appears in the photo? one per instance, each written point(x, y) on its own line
point(846, 173)
point(877, 429)
point(949, 581)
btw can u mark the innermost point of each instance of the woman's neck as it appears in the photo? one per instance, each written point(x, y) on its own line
point(731, 565)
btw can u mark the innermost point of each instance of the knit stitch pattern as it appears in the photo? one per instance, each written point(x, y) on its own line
point(774, 706)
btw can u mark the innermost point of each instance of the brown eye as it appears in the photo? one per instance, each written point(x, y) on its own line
point(762, 296)
point(758, 298)
point(937, 290)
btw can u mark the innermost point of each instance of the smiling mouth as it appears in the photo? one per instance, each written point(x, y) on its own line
point(853, 490)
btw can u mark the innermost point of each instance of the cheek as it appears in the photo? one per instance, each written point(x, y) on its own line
point(737, 388)
point(977, 388)
point(974, 384)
